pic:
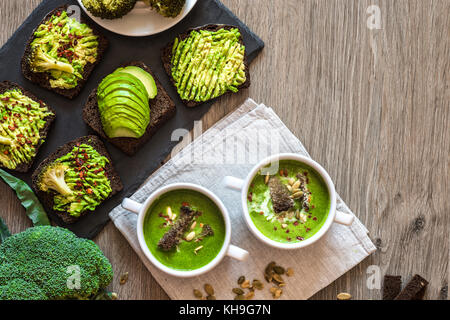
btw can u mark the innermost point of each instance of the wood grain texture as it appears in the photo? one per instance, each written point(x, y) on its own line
point(371, 105)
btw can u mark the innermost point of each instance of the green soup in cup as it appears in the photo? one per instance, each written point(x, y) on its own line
point(192, 254)
point(310, 207)
point(184, 229)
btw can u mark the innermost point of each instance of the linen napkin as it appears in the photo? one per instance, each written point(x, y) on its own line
point(231, 147)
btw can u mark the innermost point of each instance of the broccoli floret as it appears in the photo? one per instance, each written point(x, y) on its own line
point(41, 62)
point(167, 8)
point(52, 177)
point(39, 264)
point(109, 9)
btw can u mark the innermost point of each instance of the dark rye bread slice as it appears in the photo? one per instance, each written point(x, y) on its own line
point(162, 108)
point(166, 56)
point(42, 78)
point(7, 85)
point(414, 290)
point(392, 286)
point(47, 197)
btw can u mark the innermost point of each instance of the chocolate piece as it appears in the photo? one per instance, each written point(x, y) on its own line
point(391, 287)
point(281, 200)
point(414, 290)
point(172, 237)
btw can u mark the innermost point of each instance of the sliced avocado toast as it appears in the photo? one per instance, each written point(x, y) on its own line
point(24, 123)
point(75, 179)
point(127, 112)
point(207, 62)
point(62, 52)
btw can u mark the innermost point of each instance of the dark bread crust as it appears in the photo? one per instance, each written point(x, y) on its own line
point(414, 289)
point(392, 286)
point(166, 57)
point(47, 197)
point(162, 108)
point(8, 85)
point(42, 78)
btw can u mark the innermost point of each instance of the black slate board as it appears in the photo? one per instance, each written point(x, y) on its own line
point(69, 124)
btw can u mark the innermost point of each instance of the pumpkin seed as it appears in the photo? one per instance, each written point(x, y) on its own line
point(297, 195)
point(290, 272)
point(278, 270)
point(209, 289)
point(123, 278)
point(241, 279)
point(250, 295)
point(277, 293)
point(197, 249)
point(210, 297)
point(193, 225)
point(303, 217)
point(238, 291)
point(344, 296)
point(239, 297)
point(245, 284)
point(277, 278)
point(198, 294)
point(257, 284)
point(190, 236)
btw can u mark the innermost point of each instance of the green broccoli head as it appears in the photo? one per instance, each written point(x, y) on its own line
point(167, 8)
point(41, 62)
point(52, 177)
point(109, 9)
point(51, 263)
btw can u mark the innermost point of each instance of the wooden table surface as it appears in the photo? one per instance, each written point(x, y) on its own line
point(371, 105)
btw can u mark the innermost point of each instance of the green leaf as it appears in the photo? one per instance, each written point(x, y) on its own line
point(29, 201)
point(4, 232)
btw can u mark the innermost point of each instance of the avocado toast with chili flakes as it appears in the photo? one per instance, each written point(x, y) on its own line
point(162, 108)
point(24, 124)
point(89, 179)
point(80, 47)
point(196, 95)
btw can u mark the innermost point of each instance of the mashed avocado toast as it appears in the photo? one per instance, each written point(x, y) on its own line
point(76, 179)
point(62, 52)
point(24, 124)
point(207, 62)
point(128, 107)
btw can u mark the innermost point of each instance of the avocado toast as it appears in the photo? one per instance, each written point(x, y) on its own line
point(24, 123)
point(75, 179)
point(62, 52)
point(162, 108)
point(206, 62)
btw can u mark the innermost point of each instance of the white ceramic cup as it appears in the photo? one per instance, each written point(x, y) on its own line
point(141, 210)
point(333, 214)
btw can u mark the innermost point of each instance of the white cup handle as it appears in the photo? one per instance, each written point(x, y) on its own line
point(344, 218)
point(237, 253)
point(131, 205)
point(233, 183)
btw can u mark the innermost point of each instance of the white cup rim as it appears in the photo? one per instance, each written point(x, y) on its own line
point(331, 190)
point(140, 230)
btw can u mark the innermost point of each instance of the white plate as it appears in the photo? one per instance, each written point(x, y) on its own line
point(141, 21)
